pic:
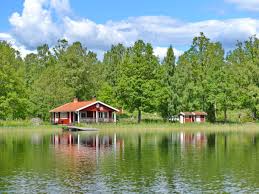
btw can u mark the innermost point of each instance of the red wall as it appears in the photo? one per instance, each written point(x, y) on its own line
point(64, 121)
point(188, 120)
point(101, 108)
point(202, 118)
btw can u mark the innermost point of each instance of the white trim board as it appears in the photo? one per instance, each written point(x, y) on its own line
point(99, 103)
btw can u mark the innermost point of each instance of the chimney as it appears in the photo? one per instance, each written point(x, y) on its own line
point(75, 99)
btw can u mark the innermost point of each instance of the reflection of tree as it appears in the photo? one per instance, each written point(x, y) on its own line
point(211, 140)
point(161, 159)
point(138, 162)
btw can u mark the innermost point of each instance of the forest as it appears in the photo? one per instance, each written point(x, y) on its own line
point(204, 78)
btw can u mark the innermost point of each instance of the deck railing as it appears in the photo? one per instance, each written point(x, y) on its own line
point(93, 120)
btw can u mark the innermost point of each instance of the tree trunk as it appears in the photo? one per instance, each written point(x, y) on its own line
point(215, 109)
point(139, 115)
point(254, 114)
point(225, 115)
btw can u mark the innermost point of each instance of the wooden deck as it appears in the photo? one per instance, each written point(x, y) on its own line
point(75, 128)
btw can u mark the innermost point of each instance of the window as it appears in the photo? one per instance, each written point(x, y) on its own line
point(103, 115)
point(89, 114)
point(83, 115)
point(63, 115)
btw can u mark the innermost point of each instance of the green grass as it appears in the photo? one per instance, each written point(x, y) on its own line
point(167, 127)
point(121, 127)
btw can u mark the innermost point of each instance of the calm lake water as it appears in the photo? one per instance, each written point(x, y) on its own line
point(129, 162)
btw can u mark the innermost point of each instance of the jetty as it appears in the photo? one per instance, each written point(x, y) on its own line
point(75, 128)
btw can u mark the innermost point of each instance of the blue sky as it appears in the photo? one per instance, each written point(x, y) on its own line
point(98, 24)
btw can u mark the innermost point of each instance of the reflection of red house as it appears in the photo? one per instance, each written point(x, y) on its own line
point(89, 141)
point(83, 111)
point(191, 138)
point(190, 117)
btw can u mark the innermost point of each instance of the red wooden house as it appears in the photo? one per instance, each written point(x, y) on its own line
point(190, 117)
point(83, 111)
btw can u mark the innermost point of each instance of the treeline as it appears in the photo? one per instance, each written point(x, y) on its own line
point(133, 78)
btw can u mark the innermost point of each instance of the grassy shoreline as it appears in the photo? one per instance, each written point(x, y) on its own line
point(141, 128)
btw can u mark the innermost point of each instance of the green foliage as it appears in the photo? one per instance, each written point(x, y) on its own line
point(138, 84)
point(167, 103)
point(201, 80)
point(132, 78)
point(13, 94)
point(49, 92)
point(244, 61)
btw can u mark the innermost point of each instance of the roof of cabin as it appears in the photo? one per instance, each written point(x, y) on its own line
point(200, 113)
point(197, 113)
point(78, 105)
point(186, 113)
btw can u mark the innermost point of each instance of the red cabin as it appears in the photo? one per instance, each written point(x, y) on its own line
point(190, 117)
point(83, 111)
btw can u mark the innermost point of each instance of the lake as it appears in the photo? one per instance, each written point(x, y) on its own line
point(88, 162)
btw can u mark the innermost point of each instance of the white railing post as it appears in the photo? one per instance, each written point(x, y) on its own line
point(114, 115)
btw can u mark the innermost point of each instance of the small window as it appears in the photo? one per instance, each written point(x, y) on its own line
point(83, 115)
point(63, 115)
point(90, 114)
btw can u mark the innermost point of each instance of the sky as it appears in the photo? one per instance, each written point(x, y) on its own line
point(98, 24)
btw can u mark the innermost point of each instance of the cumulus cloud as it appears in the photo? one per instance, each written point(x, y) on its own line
point(5, 36)
point(61, 6)
point(36, 25)
point(162, 31)
point(161, 52)
point(21, 48)
point(252, 5)
point(94, 36)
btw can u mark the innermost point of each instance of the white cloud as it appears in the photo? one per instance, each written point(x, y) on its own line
point(36, 25)
point(5, 36)
point(162, 31)
point(94, 36)
point(61, 6)
point(21, 48)
point(252, 5)
point(161, 52)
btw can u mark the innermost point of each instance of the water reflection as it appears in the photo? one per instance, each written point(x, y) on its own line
point(91, 141)
point(134, 162)
point(70, 138)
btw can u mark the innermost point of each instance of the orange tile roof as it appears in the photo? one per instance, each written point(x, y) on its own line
point(72, 106)
point(186, 113)
point(194, 113)
point(200, 113)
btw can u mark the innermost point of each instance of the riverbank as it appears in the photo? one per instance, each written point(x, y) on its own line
point(139, 128)
point(165, 127)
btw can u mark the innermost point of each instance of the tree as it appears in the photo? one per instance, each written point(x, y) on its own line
point(245, 62)
point(138, 81)
point(195, 78)
point(167, 105)
point(13, 94)
point(113, 63)
point(80, 70)
point(50, 91)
